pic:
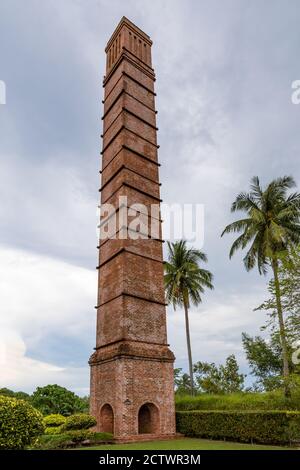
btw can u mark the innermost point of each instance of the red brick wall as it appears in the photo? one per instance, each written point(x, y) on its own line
point(127, 384)
point(132, 364)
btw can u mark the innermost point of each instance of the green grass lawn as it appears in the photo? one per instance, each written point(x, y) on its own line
point(183, 444)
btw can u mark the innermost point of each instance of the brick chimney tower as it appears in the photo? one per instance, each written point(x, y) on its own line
point(132, 392)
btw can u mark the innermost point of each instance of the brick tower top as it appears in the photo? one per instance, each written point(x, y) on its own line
point(131, 41)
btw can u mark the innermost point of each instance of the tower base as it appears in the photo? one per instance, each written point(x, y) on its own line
point(132, 391)
point(147, 438)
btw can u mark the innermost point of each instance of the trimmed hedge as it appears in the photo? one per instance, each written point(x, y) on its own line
point(54, 424)
point(80, 435)
point(54, 420)
point(53, 430)
point(239, 401)
point(20, 423)
point(266, 427)
point(72, 439)
point(79, 421)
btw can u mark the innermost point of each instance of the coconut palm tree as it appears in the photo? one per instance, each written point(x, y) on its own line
point(185, 281)
point(271, 226)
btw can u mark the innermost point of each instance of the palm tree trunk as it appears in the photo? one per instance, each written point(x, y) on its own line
point(282, 333)
point(188, 341)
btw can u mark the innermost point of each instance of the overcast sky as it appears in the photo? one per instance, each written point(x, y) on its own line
point(224, 73)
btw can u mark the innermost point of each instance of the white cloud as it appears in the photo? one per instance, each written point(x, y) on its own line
point(216, 327)
point(58, 214)
point(41, 296)
point(20, 372)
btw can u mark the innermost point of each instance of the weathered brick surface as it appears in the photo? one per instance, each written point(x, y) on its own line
point(127, 383)
point(135, 143)
point(111, 247)
point(134, 196)
point(125, 175)
point(133, 274)
point(132, 161)
point(113, 130)
point(133, 73)
point(133, 124)
point(129, 69)
point(132, 103)
point(132, 366)
point(144, 79)
point(121, 319)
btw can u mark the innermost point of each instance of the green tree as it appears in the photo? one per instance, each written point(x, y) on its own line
point(221, 379)
point(271, 227)
point(185, 281)
point(85, 403)
point(10, 393)
point(53, 399)
point(289, 281)
point(264, 354)
point(265, 361)
point(6, 392)
point(182, 382)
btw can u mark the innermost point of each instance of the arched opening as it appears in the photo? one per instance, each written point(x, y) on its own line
point(148, 419)
point(107, 419)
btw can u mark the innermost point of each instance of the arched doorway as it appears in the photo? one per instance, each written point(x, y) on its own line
point(148, 419)
point(107, 419)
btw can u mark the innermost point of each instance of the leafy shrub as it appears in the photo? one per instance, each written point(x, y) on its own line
point(79, 421)
point(80, 435)
point(268, 427)
point(71, 439)
point(54, 423)
point(53, 430)
point(103, 436)
point(49, 442)
point(20, 423)
point(239, 401)
point(54, 420)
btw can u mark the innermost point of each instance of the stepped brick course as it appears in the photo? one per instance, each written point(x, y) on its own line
point(132, 366)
